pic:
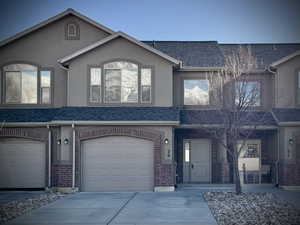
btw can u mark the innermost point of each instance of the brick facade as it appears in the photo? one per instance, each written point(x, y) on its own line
point(289, 173)
point(61, 176)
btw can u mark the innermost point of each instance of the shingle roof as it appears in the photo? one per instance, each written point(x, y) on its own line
point(214, 117)
point(287, 115)
point(191, 53)
point(265, 54)
point(90, 114)
point(118, 114)
point(212, 54)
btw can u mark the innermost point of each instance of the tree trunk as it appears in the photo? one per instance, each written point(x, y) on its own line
point(238, 188)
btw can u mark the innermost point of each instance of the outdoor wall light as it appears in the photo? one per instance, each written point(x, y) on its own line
point(58, 141)
point(291, 141)
point(166, 141)
point(66, 141)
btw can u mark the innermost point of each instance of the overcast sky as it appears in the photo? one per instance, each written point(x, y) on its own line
point(226, 21)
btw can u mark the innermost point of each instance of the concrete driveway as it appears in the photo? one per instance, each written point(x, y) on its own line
point(123, 208)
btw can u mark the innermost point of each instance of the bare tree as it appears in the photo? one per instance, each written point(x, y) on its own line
point(237, 119)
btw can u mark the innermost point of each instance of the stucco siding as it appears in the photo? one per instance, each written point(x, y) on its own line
point(285, 83)
point(124, 50)
point(46, 45)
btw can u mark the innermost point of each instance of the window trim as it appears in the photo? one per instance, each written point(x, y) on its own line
point(260, 81)
point(77, 34)
point(209, 92)
point(103, 103)
point(39, 69)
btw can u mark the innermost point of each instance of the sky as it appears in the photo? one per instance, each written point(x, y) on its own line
point(225, 21)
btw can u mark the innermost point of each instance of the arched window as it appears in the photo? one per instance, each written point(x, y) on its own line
point(72, 31)
point(122, 82)
point(21, 84)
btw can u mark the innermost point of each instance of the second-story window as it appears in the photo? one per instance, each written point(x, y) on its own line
point(196, 92)
point(123, 82)
point(21, 84)
point(247, 93)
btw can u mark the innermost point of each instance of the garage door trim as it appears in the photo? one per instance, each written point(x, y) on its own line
point(84, 134)
point(34, 134)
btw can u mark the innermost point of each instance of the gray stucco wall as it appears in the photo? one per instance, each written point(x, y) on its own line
point(285, 83)
point(46, 45)
point(125, 50)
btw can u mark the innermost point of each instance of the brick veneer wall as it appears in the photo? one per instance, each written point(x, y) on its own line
point(163, 172)
point(62, 175)
point(289, 173)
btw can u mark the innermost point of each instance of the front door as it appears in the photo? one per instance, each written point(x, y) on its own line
point(198, 168)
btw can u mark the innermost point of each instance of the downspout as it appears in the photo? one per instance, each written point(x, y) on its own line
point(49, 156)
point(73, 155)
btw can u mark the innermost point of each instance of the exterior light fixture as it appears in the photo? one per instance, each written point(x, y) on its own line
point(166, 141)
point(59, 142)
point(291, 141)
point(66, 141)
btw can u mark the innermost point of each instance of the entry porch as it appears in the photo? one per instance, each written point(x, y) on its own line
point(201, 159)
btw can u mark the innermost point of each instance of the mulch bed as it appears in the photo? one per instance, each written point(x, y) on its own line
point(251, 209)
point(14, 209)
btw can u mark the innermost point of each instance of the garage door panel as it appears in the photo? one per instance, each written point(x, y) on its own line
point(22, 163)
point(117, 164)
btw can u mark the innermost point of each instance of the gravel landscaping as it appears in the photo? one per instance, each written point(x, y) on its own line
point(14, 209)
point(251, 209)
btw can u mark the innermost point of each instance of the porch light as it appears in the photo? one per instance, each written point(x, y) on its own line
point(166, 141)
point(291, 141)
point(66, 141)
point(59, 142)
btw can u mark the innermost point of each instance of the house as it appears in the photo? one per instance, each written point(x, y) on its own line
point(89, 108)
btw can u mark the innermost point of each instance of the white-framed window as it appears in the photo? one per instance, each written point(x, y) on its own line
point(248, 93)
point(21, 84)
point(120, 82)
point(146, 85)
point(196, 92)
point(95, 85)
point(45, 87)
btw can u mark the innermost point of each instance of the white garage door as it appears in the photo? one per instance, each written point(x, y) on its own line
point(22, 163)
point(117, 164)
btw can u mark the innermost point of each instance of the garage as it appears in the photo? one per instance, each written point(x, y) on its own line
point(117, 163)
point(22, 163)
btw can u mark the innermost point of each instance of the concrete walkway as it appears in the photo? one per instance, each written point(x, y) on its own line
point(123, 208)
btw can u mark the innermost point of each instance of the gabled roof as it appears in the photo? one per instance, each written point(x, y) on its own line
point(191, 53)
point(265, 54)
point(286, 58)
point(53, 19)
point(112, 37)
